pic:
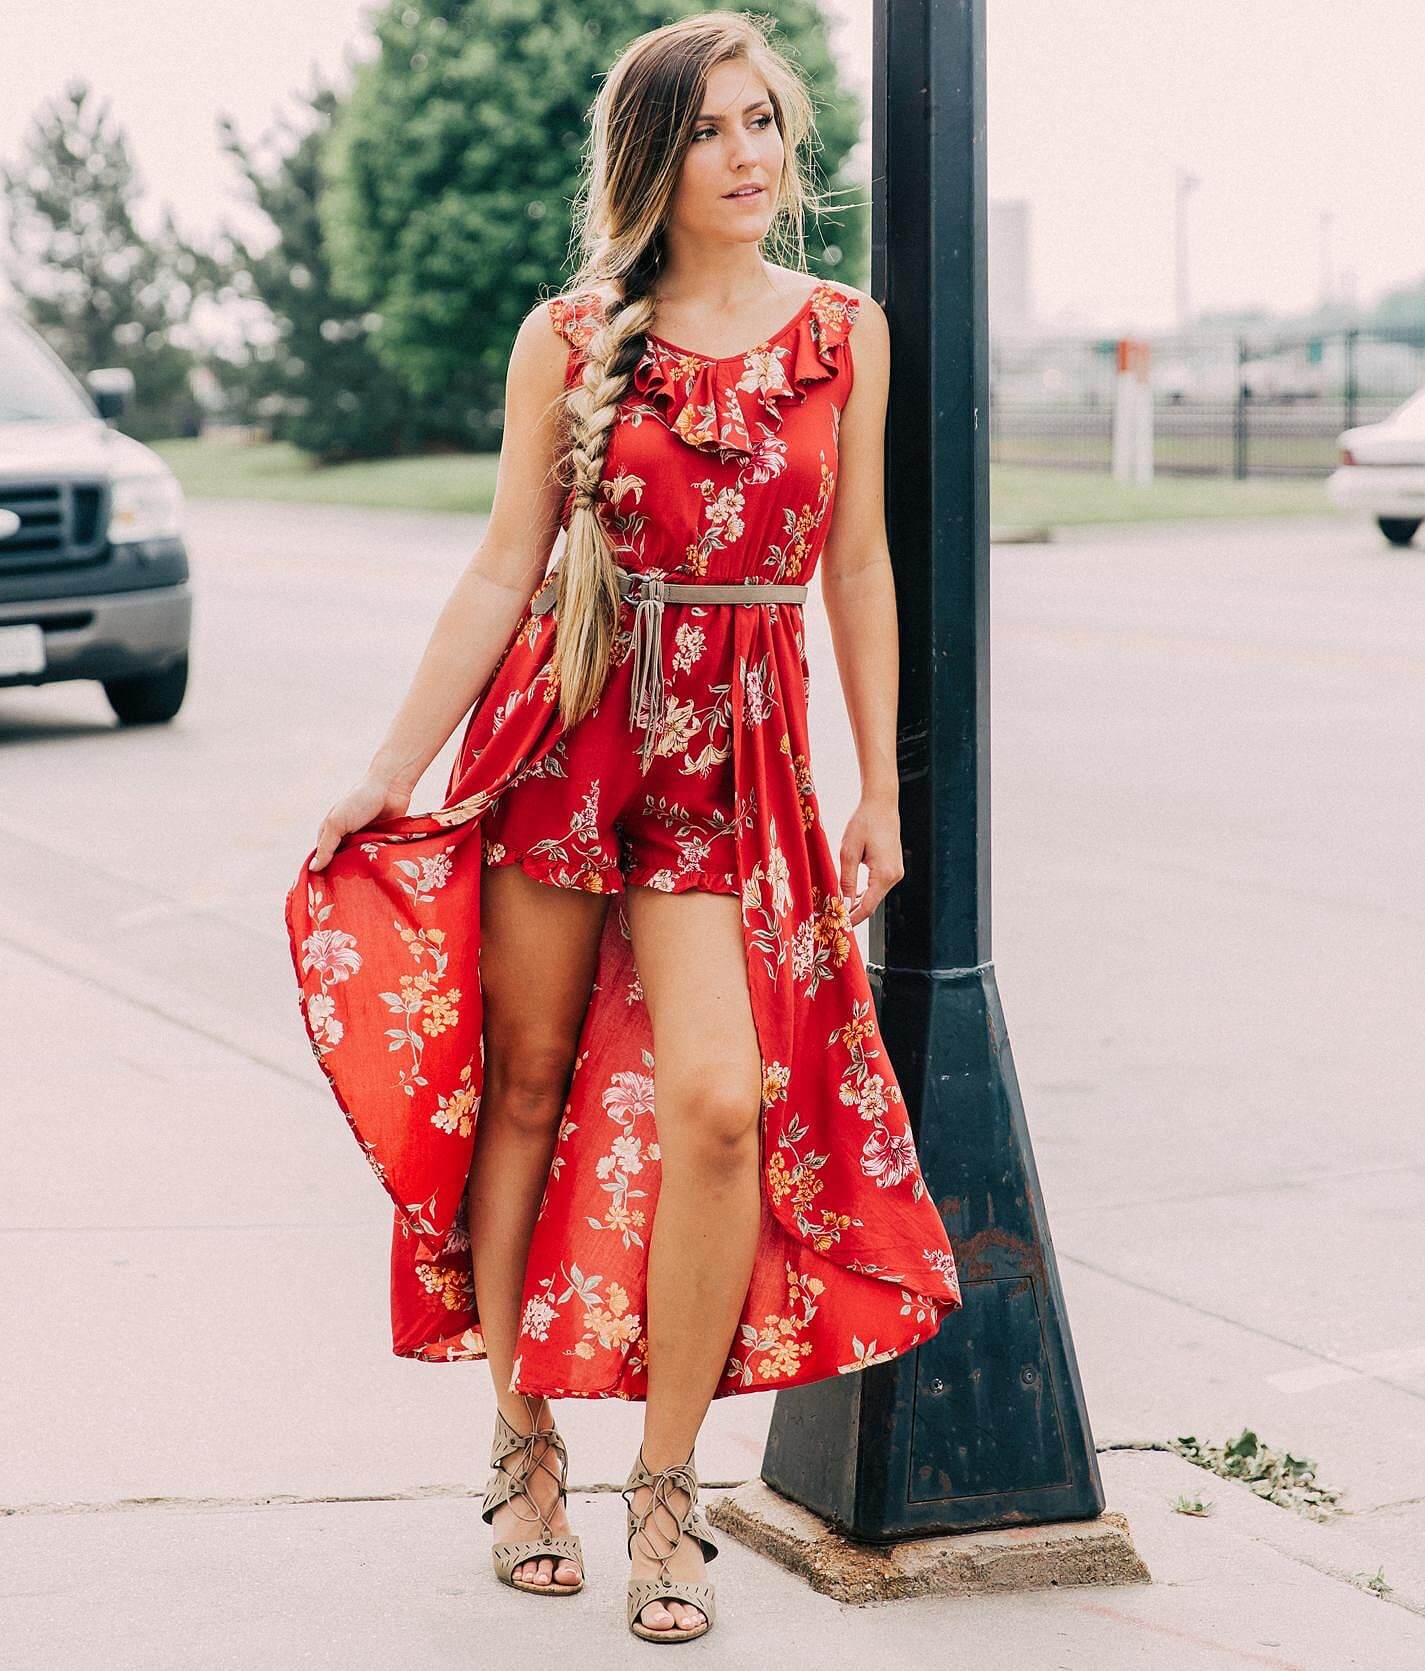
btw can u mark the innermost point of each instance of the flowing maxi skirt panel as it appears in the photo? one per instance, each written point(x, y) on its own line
point(852, 1265)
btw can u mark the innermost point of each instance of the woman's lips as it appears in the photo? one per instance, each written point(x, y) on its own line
point(745, 195)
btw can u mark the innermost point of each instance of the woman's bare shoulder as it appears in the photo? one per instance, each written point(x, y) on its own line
point(541, 349)
point(861, 306)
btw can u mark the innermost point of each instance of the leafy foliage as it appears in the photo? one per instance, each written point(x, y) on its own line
point(99, 291)
point(454, 164)
point(310, 374)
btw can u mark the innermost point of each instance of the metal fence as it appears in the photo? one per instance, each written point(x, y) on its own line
point(1223, 404)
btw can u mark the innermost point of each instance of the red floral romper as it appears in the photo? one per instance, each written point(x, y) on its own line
point(718, 470)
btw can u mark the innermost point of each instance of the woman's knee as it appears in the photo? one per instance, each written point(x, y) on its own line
point(716, 1123)
point(527, 1082)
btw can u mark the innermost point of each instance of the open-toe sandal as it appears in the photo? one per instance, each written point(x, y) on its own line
point(511, 1485)
point(691, 1521)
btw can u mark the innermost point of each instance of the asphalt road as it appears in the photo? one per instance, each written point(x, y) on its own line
point(1208, 906)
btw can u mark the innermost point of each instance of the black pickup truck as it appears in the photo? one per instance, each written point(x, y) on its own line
point(93, 569)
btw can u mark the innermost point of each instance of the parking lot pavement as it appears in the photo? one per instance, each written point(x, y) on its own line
point(1207, 907)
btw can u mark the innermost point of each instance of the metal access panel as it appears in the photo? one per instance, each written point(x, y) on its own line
point(988, 1417)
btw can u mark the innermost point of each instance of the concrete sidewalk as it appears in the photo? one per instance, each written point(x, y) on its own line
point(357, 1583)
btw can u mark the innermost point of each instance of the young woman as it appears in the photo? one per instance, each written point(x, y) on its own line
point(689, 413)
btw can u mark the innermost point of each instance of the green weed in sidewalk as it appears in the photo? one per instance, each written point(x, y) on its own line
point(1278, 1476)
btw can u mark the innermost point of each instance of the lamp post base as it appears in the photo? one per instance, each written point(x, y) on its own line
point(1033, 1557)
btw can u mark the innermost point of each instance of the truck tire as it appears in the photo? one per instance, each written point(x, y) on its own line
point(1399, 530)
point(149, 698)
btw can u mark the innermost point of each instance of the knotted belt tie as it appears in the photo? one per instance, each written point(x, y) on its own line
point(645, 703)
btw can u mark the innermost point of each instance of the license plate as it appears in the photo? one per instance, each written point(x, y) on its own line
point(22, 649)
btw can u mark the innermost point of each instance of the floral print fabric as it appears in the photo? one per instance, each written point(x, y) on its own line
point(723, 469)
point(588, 816)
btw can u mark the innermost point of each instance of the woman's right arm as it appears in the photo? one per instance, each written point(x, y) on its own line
point(489, 598)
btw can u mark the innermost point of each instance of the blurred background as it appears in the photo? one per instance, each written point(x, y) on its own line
point(312, 231)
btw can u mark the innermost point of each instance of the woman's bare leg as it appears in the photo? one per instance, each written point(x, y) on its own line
point(692, 965)
point(539, 956)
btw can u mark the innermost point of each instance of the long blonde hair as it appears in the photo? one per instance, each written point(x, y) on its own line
point(641, 124)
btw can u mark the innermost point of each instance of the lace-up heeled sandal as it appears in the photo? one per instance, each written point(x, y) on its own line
point(509, 1484)
point(665, 1587)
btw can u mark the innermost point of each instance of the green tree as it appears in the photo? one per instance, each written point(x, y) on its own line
point(311, 373)
point(98, 290)
point(454, 164)
point(1400, 310)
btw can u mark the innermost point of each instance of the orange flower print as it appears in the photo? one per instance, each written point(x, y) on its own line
point(822, 942)
point(775, 1079)
point(456, 1113)
point(455, 1288)
point(774, 1351)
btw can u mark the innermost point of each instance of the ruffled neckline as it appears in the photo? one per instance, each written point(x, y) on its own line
point(732, 403)
point(677, 349)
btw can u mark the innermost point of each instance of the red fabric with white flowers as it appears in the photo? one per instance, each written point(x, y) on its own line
point(717, 469)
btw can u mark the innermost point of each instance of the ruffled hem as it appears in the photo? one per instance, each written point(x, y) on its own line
point(610, 879)
point(586, 879)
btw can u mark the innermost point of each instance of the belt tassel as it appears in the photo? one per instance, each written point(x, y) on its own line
point(646, 689)
point(646, 701)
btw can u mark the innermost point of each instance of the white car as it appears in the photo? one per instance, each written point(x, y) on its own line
point(1382, 471)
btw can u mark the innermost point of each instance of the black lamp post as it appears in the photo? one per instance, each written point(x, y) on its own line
point(985, 1424)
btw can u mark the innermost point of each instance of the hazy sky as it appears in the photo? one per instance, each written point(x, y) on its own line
point(1286, 110)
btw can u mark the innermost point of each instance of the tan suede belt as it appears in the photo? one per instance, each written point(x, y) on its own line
point(651, 591)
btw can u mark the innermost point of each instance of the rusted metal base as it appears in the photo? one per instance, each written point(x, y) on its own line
point(1096, 1551)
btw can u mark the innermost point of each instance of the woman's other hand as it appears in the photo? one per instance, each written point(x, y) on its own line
point(372, 798)
point(872, 838)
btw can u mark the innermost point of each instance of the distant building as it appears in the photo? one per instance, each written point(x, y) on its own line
point(1011, 302)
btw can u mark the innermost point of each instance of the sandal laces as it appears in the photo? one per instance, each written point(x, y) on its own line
point(526, 1463)
point(676, 1476)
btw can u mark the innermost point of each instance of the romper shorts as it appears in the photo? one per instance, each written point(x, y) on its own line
point(587, 816)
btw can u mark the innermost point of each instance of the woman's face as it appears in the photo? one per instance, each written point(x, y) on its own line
point(735, 145)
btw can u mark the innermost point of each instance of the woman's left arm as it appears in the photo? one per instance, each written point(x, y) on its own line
point(858, 589)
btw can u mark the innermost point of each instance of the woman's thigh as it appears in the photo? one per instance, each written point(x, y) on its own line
point(692, 966)
point(539, 950)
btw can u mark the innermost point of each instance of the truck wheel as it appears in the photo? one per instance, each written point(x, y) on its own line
point(149, 698)
point(1399, 530)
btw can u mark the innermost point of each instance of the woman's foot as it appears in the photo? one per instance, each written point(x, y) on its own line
point(515, 1519)
point(686, 1561)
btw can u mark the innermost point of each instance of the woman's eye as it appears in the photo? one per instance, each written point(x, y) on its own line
point(760, 122)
